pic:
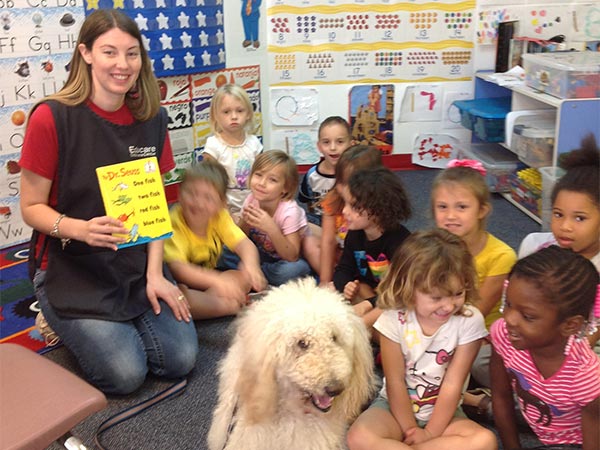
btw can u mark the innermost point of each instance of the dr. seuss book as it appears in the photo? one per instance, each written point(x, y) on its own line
point(133, 193)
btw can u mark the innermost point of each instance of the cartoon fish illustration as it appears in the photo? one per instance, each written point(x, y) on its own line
point(124, 217)
point(120, 186)
point(121, 200)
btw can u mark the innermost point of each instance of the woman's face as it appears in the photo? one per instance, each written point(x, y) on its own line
point(115, 61)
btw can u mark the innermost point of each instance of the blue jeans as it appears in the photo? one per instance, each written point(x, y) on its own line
point(277, 272)
point(116, 356)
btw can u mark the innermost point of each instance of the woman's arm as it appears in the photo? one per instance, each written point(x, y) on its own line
point(328, 249)
point(35, 193)
point(451, 387)
point(392, 360)
point(590, 425)
point(503, 405)
point(157, 286)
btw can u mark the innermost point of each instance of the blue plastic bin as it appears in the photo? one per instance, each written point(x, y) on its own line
point(485, 117)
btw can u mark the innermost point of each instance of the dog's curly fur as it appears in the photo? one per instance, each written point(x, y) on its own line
point(299, 370)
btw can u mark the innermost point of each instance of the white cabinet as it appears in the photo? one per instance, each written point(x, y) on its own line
point(575, 118)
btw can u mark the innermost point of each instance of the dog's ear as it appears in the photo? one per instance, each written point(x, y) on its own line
point(362, 382)
point(256, 385)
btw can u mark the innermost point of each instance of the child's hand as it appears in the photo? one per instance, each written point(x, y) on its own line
point(351, 290)
point(255, 277)
point(258, 218)
point(228, 287)
point(416, 435)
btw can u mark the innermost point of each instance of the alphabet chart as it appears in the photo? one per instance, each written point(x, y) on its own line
point(321, 42)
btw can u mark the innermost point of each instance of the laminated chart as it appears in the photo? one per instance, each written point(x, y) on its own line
point(181, 36)
point(335, 42)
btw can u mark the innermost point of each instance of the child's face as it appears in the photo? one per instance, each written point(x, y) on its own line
point(355, 220)
point(576, 223)
point(457, 210)
point(531, 322)
point(232, 115)
point(199, 199)
point(333, 141)
point(268, 184)
point(435, 309)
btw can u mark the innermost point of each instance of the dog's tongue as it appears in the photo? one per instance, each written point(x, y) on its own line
point(323, 401)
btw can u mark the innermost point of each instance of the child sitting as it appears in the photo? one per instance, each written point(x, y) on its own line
point(575, 222)
point(375, 231)
point(272, 218)
point(201, 226)
point(334, 139)
point(333, 231)
point(460, 200)
point(233, 143)
point(551, 300)
point(429, 336)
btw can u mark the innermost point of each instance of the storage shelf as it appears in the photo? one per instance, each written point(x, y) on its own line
point(531, 215)
point(541, 97)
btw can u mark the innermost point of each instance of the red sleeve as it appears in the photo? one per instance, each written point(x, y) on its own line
point(40, 147)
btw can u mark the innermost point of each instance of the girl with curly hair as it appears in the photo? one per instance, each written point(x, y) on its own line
point(376, 204)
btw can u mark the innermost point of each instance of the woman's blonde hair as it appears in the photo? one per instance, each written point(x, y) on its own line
point(271, 158)
point(210, 171)
point(238, 93)
point(428, 261)
point(468, 178)
point(143, 101)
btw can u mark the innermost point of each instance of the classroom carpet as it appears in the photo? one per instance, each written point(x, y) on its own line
point(18, 305)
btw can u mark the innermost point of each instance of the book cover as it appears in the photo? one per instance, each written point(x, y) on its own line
point(133, 192)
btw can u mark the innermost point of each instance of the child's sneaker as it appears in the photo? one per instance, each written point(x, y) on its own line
point(44, 329)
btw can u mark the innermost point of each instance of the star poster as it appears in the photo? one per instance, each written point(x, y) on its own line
point(181, 36)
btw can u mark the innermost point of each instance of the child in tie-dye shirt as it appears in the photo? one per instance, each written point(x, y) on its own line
point(376, 204)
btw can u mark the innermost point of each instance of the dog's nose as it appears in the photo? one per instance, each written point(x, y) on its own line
point(335, 388)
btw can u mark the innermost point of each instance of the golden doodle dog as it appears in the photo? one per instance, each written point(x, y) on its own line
point(298, 372)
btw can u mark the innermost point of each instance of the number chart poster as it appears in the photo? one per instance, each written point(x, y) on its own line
point(329, 42)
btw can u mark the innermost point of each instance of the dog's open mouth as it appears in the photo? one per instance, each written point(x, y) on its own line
point(322, 402)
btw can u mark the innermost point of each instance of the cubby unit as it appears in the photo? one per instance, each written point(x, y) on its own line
point(574, 119)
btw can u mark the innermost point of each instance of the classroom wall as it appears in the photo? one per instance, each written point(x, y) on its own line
point(577, 20)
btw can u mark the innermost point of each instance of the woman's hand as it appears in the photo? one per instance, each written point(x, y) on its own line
point(98, 232)
point(160, 287)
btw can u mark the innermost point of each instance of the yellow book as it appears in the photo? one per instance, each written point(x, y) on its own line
point(133, 192)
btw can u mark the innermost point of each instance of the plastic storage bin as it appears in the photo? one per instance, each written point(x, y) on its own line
point(564, 74)
point(533, 141)
point(485, 117)
point(550, 175)
point(499, 164)
point(526, 189)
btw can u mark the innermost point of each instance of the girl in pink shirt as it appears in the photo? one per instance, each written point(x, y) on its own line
point(551, 301)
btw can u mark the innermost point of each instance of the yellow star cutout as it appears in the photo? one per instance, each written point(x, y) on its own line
point(92, 4)
point(119, 4)
point(412, 338)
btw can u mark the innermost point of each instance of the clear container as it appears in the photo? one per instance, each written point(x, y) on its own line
point(499, 163)
point(533, 141)
point(564, 74)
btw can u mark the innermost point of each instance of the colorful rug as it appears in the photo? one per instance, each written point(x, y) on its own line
point(18, 306)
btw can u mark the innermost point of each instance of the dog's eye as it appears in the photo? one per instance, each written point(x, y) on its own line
point(303, 344)
point(334, 337)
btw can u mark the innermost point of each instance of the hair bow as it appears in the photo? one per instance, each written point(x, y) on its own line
point(470, 163)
